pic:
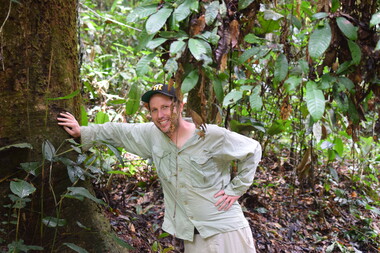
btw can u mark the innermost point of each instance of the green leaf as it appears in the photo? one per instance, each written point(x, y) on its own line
point(280, 68)
point(319, 41)
point(177, 48)
point(335, 4)
point(198, 48)
point(155, 43)
point(22, 188)
point(75, 172)
point(121, 242)
point(144, 38)
point(133, 102)
point(277, 127)
point(232, 98)
point(338, 146)
point(346, 82)
point(83, 116)
point(75, 247)
point(53, 222)
point(141, 12)
point(171, 66)
point(158, 20)
point(212, 11)
point(30, 167)
point(353, 112)
point(271, 15)
point(244, 4)
point(142, 66)
point(18, 145)
point(347, 28)
point(116, 153)
point(375, 19)
point(218, 88)
point(190, 81)
point(255, 101)
point(315, 100)
point(101, 118)
point(320, 15)
point(48, 150)
point(356, 53)
point(292, 83)
point(183, 10)
point(83, 192)
point(71, 95)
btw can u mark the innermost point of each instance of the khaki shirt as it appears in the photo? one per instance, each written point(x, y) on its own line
point(192, 175)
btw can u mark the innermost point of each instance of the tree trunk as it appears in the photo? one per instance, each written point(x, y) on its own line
point(39, 60)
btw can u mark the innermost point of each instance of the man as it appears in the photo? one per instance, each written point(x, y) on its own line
point(200, 197)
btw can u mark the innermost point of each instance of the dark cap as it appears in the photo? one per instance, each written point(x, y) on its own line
point(159, 88)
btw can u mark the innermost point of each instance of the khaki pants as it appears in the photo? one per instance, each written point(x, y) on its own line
point(237, 241)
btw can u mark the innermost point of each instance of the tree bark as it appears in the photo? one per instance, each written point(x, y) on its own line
point(39, 60)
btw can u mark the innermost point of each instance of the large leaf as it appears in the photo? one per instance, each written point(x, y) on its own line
point(48, 150)
point(212, 11)
point(356, 53)
point(184, 10)
point(280, 68)
point(320, 40)
point(232, 98)
point(142, 66)
point(244, 3)
point(255, 101)
point(75, 247)
point(375, 19)
point(347, 28)
point(157, 20)
point(199, 48)
point(133, 102)
point(22, 188)
point(190, 81)
point(218, 88)
point(53, 222)
point(83, 192)
point(155, 43)
point(101, 118)
point(18, 145)
point(277, 127)
point(177, 48)
point(171, 66)
point(141, 12)
point(315, 100)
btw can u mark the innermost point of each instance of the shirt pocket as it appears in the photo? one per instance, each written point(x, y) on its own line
point(162, 160)
point(203, 170)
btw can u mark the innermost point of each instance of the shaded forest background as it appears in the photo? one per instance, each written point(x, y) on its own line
point(301, 77)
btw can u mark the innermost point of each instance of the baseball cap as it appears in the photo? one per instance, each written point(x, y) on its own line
point(159, 88)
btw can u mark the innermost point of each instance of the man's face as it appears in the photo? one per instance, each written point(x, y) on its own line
point(165, 114)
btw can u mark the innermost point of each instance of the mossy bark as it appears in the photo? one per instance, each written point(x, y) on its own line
point(39, 60)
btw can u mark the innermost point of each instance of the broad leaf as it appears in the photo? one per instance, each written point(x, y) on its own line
point(133, 102)
point(30, 167)
point(18, 145)
point(346, 82)
point(277, 127)
point(280, 68)
point(71, 95)
point(347, 28)
point(244, 3)
point(190, 81)
point(157, 20)
point(101, 118)
point(255, 101)
point(75, 247)
point(271, 15)
point(338, 146)
point(375, 20)
point(177, 48)
point(144, 38)
point(48, 150)
point(292, 83)
point(212, 11)
point(22, 188)
point(53, 222)
point(142, 66)
point(141, 12)
point(218, 88)
point(199, 48)
point(80, 191)
point(83, 116)
point(315, 100)
point(320, 40)
point(232, 98)
point(155, 43)
point(183, 10)
point(171, 66)
point(356, 53)
point(320, 15)
point(116, 153)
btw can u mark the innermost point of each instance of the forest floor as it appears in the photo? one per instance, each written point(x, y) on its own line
point(283, 216)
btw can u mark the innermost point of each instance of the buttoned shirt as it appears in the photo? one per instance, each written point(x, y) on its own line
point(191, 175)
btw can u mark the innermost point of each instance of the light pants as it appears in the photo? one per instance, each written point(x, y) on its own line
point(237, 241)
